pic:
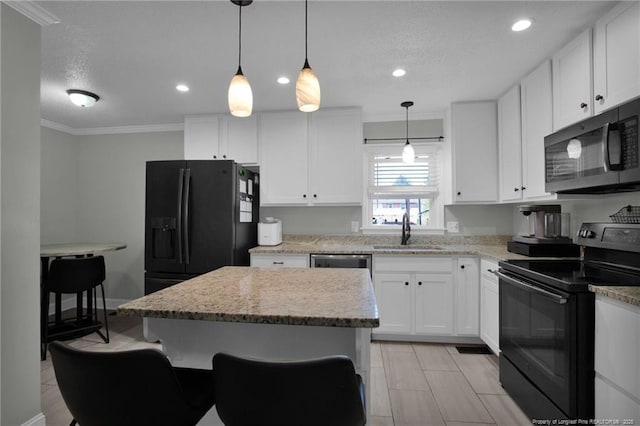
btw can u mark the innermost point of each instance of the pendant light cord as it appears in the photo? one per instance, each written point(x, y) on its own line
point(239, 35)
point(306, 30)
point(407, 108)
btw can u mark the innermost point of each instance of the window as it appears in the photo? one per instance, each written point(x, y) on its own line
point(395, 188)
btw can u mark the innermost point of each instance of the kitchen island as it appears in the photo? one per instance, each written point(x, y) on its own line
point(276, 314)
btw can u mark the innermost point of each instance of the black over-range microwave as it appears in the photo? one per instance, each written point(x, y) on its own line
point(596, 155)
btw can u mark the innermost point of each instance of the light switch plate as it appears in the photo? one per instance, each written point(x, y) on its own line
point(452, 227)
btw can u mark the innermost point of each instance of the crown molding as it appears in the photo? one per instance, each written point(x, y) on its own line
point(33, 11)
point(175, 127)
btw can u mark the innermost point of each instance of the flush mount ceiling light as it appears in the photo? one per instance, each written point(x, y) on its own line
point(398, 72)
point(283, 80)
point(408, 154)
point(182, 88)
point(240, 95)
point(521, 25)
point(307, 86)
point(82, 98)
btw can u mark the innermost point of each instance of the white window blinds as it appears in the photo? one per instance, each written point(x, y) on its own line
point(390, 177)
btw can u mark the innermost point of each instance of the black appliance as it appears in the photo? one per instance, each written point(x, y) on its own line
point(547, 320)
point(200, 215)
point(596, 155)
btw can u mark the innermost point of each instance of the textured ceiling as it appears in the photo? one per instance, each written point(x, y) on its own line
point(133, 54)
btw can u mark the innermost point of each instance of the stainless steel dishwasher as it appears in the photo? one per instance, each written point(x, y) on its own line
point(323, 260)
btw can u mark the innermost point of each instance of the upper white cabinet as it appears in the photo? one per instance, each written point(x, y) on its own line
point(201, 137)
point(536, 104)
point(215, 136)
point(510, 145)
point(573, 82)
point(239, 138)
point(475, 152)
point(284, 158)
point(617, 56)
point(311, 159)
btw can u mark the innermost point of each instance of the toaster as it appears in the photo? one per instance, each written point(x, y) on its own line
point(270, 232)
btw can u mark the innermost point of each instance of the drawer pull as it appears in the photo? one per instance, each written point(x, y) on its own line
point(278, 263)
point(406, 283)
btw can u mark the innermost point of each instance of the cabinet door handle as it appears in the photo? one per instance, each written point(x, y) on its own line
point(406, 283)
point(516, 189)
point(224, 156)
point(523, 188)
point(599, 97)
point(583, 105)
point(278, 263)
point(315, 195)
point(215, 157)
point(459, 193)
point(304, 195)
point(419, 282)
point(461, 266)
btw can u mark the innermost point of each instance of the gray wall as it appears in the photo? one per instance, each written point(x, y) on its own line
point(20, 215)
point(95, 192)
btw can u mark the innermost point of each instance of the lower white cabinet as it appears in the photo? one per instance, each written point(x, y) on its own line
point(280, 260)
point(617, 350)
point(489, 305)
point(421, 296)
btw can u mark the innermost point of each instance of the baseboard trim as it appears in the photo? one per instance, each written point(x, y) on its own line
point(426, 339)
point(38, 420)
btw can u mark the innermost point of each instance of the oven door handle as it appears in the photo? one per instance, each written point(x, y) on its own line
point(553, 296)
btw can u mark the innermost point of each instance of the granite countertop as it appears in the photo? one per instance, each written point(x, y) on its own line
point(492, 247)
point(293, 296)
point(630, 295)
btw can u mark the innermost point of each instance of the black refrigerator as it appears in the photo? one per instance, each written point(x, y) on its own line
point(199, 215)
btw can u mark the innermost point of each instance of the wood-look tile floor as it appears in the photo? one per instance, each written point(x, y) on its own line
point(415, 384)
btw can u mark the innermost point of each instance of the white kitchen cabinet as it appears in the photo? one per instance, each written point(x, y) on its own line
point(394, 294)
point(433, 303)
point(467, 279)
point(617, 351)
point(216, 136)
point(489, 305)
point(617, 56)
point(284, 159)
point(510, 145)
point(279, 260)
point(573, 81)
point(311, 159)
point(239, 138)
point(475, 152)
point(335, 151)
point(201, 137)
point(536, 103)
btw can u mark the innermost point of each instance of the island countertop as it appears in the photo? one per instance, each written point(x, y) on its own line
point(293, 296)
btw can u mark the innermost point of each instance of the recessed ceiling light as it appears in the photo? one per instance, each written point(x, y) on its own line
point(521, 25)
point(283, 80)
point(182, 88)
point(82, 98)
point(399, 72)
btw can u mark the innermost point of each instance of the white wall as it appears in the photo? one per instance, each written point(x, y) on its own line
point(314, 220)
point(20, 215)
point(59, 187)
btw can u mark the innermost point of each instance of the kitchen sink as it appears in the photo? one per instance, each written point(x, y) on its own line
point(408, 247)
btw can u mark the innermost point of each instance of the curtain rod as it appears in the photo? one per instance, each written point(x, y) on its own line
point(434, 138)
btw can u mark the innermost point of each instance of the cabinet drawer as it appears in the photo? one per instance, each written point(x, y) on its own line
point(280, 260)
point(433, 264)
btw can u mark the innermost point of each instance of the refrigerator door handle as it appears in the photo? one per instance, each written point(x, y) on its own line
point(185, 214)
point(179, 227)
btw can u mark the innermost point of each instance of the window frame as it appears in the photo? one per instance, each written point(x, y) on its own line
point(436, 211)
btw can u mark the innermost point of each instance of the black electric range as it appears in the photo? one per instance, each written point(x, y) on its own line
point(547, 320)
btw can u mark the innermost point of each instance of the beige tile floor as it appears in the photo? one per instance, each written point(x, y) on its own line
point(415, 384)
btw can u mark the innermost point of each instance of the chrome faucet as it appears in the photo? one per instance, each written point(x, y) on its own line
point(406, 229)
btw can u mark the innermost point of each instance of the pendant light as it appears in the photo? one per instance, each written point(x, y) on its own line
point(240, 95)
point(307, 86)
point(408, 154)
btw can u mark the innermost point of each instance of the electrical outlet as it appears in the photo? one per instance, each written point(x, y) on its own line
point(452, 227)
point(355, 226)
